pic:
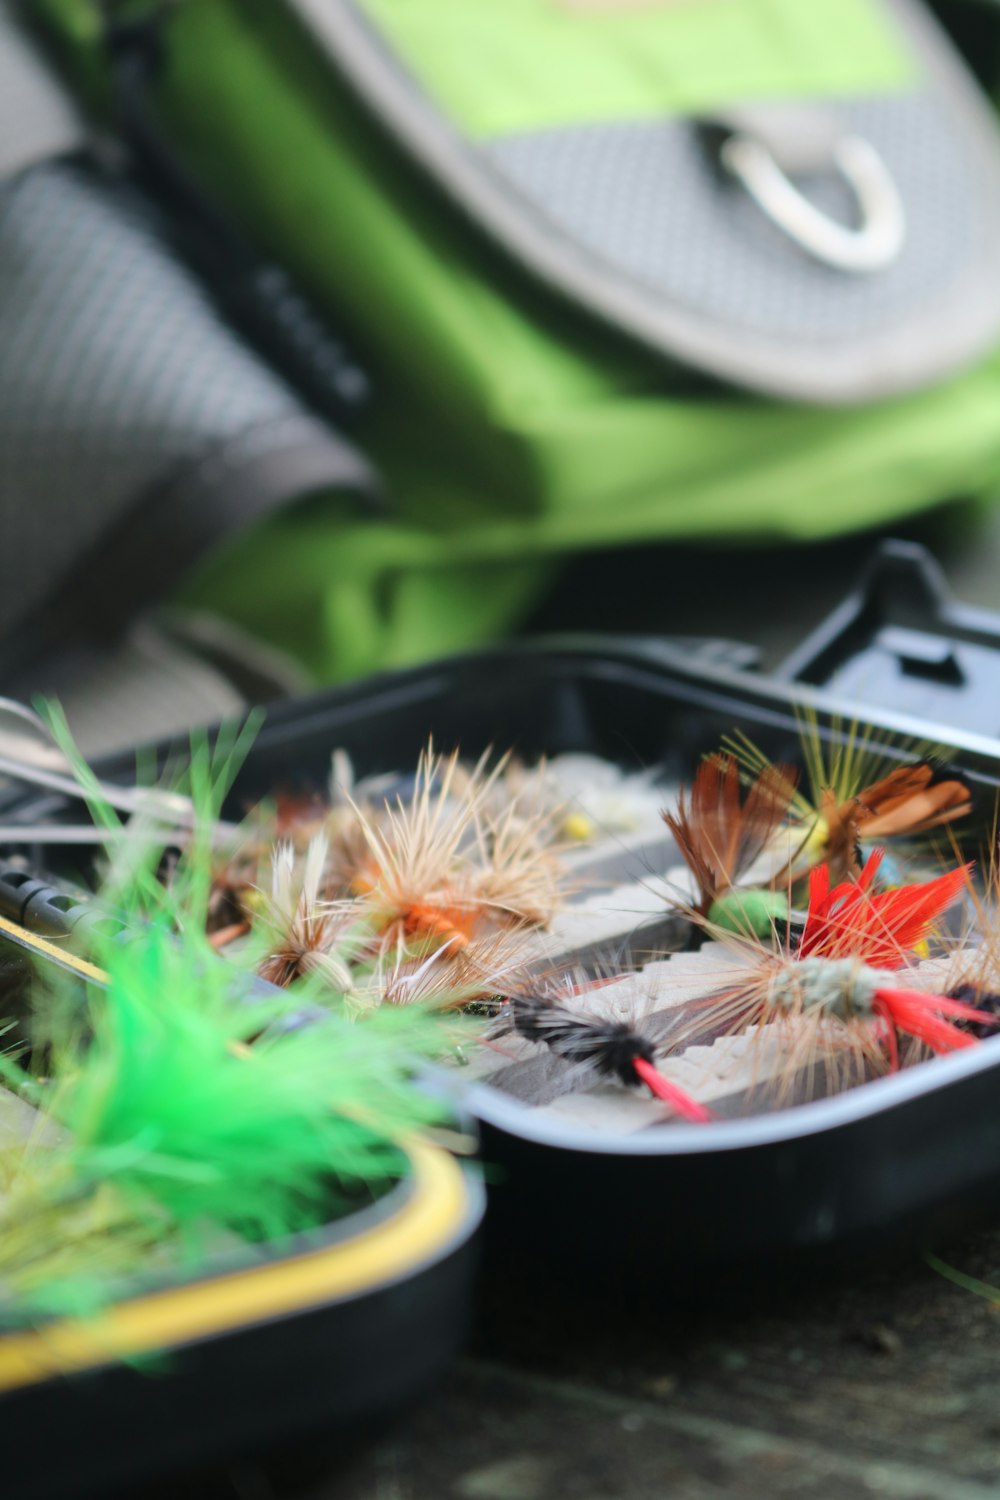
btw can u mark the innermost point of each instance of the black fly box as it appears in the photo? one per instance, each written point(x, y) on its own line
point(904, 1158)
point(901, 1161)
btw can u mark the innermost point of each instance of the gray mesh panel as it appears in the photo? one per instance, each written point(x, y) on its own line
point(647, 200)
point(116, 376)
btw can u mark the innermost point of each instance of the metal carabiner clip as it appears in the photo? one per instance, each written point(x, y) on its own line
point(881, 231)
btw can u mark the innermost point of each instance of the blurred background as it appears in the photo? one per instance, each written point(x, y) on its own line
point(336, 337)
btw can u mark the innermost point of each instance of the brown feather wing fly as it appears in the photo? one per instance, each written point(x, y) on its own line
point(718, 833)
point(911, 799)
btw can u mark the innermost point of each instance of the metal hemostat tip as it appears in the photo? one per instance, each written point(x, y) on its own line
point(80, 834)
point(29, 754)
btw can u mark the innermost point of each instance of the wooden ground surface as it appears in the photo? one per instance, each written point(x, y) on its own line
point(884, 1385)
point(881, 1384)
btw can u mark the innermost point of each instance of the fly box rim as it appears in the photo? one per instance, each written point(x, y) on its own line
point(879, 1096)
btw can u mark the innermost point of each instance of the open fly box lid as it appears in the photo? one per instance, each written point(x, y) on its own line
point(894, 1162)
point(251, 1355)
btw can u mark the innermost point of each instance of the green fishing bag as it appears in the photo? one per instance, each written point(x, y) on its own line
point(622, 270)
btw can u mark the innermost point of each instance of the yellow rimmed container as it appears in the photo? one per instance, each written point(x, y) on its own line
point(332, 1334)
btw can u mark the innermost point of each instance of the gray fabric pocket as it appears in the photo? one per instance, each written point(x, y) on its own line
point(136, 429)
point(642, 225)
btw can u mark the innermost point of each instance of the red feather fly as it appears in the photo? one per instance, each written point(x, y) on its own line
point(837, 991)
point(842, 977)
point(880, 928)
point(850, 920)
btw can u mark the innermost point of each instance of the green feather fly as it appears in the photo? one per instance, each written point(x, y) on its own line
point(185, 1111)
point(180, 1114)
point(183, 1118)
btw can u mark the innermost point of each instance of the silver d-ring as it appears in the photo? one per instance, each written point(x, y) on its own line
point(872, 246)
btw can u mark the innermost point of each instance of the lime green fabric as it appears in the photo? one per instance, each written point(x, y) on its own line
point(352, 597)
point(511, 429)
point(499, 66)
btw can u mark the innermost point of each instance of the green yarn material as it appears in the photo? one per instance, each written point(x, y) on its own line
point(754, 913)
